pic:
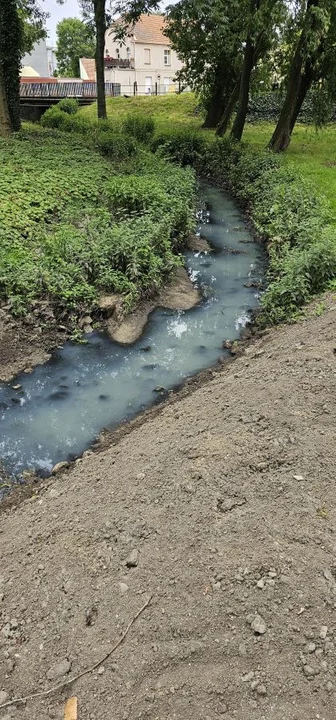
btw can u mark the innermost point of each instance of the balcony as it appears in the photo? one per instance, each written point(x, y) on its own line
point(110, 62)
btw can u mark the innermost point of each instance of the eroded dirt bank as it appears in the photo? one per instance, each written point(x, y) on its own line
point(227, 499)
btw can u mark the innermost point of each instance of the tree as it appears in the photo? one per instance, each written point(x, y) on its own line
point(33, 20)
point(263, 20)
point(74, 40)
point(96, 18)
point(21, 25)
point(313, 61)
point(5, 124)
point(206, 37)
point(11, 44)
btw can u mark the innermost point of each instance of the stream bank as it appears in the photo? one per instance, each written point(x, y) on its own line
point(228, 497)
point(54, 414)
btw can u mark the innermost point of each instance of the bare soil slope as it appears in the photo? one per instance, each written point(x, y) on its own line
point(228, 498)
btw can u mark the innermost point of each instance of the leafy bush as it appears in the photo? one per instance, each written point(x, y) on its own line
point(140, 127)
point(74, 224)
point(68, 105)
point(182, 146)
point(294, 222)
point(267, 107)
point(116, 147)
point(54, 118)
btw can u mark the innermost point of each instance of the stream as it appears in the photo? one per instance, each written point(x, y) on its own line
point(63, 405)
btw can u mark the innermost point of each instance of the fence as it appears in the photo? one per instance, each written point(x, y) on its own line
point(60, 90)
point(151, 89)
point(54, 90)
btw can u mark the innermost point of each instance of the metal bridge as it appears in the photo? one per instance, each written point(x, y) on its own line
point(52, 91)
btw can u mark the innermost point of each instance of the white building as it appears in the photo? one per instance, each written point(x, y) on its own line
point(40, 62)
point(146, 58)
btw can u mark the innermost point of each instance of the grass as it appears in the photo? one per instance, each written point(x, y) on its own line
point(312, 152)
point(179, 110)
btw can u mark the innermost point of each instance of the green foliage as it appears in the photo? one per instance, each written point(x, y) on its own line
point(73, 225)
point(139, 126)
point(68, 105)
point(316, 108)
point(11, 43)
point(54, 117)
point(75, 39)
point(296, 225)
point(33, 20)
point(115, 145)
point(182, 146)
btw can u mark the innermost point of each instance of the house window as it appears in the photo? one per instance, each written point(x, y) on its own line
point(166, 57)
point(147, 56)
point(128, 53)
point(118, 53)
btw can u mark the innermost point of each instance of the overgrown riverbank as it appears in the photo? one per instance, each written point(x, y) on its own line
point(283, 195)
point(81, 216)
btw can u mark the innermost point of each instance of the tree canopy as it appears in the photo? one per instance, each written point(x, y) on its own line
point(75, 39)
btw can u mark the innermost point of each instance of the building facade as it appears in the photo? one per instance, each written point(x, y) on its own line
point(41, 62)
point(146, 58)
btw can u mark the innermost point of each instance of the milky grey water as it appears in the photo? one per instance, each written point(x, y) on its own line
point(62, 407)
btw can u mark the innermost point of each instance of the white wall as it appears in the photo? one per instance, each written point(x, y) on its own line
point(156, 69)
point(38, 59)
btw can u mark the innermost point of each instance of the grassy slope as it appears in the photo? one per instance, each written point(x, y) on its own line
point(312, 152)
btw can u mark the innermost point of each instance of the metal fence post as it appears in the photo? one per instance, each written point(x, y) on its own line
point(135, 87)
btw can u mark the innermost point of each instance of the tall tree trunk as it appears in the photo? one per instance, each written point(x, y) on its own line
point(214, 110)
point(100, 22)
point(10, 58)
point(222, 87)
point(299, 82)
point(244, 89)
point(305, 85)
point(5, 126)
point(227, 114)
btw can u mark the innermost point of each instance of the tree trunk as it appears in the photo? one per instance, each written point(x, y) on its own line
point(10, 58)
point(227, 114)
point(244, 89)
point(299, 82)
point(99, 15)
point(214, 110)
point(305, 85)
point(5, 126)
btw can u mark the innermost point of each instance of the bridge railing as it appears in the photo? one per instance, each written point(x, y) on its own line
point(66, 89)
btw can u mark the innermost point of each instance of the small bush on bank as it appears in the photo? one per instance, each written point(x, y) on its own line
point(115, 146)
point(68, 105)
point(140, 127)
point(53, 118)
point(182, 146)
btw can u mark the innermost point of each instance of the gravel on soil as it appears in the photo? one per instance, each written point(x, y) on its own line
point(222, 507)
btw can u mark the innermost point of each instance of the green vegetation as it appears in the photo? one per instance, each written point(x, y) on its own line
point(73, 224)
point(166, 110)
point(284, 194)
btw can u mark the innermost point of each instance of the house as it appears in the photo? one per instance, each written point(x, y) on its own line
point(39, 62)
point(146, 58)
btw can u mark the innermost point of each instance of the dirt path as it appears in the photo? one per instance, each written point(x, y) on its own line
point(228, 499)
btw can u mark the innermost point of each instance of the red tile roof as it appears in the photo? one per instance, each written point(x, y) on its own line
point(147, 30)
